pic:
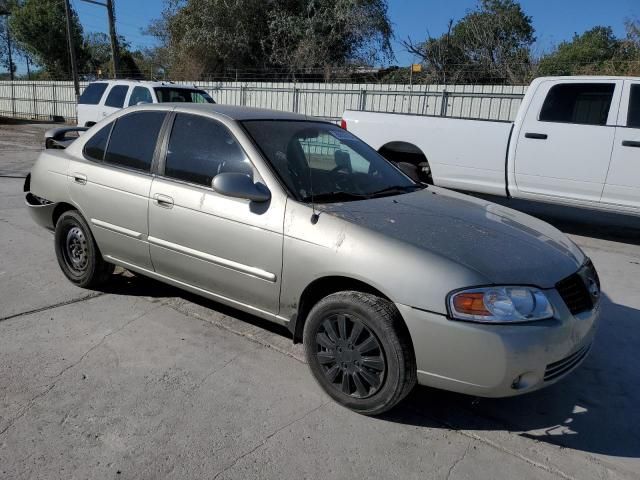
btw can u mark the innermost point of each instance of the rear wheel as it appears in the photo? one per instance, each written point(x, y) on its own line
point(359, 351)
point(77, 252)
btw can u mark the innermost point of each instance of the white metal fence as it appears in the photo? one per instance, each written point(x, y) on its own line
point(49, 100)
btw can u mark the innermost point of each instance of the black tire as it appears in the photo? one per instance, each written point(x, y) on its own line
point(77, 253)
point(382, 335)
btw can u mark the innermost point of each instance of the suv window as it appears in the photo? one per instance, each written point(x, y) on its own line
point(116, 96)
point(140, 94)
point(200, 148)
point(633, 114)
point(133, 140)
point(92, 94)
point(583, 103)
point(177, 94)
point(96, 145)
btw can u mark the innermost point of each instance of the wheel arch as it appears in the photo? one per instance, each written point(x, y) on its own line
point(60, 209)
point(406, 154)
point(320, 288)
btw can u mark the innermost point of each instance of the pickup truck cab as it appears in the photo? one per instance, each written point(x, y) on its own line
point(104, 97)
point(574, 141)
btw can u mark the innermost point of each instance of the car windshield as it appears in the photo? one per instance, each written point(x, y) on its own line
point(177, 94)
point(323, 159)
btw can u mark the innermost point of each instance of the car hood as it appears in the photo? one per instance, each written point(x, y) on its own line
point(502, 245)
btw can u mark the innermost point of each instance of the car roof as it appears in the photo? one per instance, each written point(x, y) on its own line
point(232, 112)
point(146, 83)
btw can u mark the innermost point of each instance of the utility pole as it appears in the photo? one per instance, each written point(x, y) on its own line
point(115, 53)
point(72, 51)
point(9, 48)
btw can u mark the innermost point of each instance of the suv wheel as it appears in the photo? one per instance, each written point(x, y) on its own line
point(359, 351)
point(77, 252)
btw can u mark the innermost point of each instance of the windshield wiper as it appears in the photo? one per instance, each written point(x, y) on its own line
point(396, 189)
point(334, 196)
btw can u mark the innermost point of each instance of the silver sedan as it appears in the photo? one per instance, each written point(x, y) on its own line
point(388, 282)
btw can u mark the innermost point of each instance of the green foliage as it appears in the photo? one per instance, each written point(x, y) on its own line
point(595, 51)
point(489, 44)
point(98, 47)
point(39, 28)
point(207, 36)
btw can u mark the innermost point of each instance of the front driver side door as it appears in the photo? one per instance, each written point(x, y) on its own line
point(229, 247)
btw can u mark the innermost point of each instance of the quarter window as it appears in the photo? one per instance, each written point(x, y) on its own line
point(140, 94)
point(633, 115)
point(92, 94)
point(133, 140)
point(96, 145)
point(116, 96)
point(581, 103)
point(200, 148)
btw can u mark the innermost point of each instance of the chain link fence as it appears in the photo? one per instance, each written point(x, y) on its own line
point(55, 100)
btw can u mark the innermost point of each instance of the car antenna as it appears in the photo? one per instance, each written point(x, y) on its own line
point(315, 216)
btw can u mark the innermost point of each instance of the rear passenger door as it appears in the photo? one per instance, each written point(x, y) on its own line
point(114, 100)
point(229, 247)
point(623, 180)
point(564, 144)
point(111, 185)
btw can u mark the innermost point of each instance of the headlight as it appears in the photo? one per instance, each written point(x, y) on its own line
point(500, 305)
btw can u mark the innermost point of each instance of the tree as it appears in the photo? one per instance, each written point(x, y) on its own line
point(490, 43)
point(38, 26)
point(98, 47)
point(596, 51)
point(217, 35)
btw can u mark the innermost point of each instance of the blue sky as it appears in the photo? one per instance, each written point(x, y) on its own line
point(554, 20)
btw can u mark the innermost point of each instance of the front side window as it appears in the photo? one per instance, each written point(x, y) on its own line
point(133, 140)
point(200, 148)
point(186, 95)
point(96, 145)
point(140, 94)
point(92, 94)
point(633, 114)
point(581, 103)
point(323, 161)
point(116, 96)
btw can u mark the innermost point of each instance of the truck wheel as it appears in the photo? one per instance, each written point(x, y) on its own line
point(359, 351)
point(77, 252)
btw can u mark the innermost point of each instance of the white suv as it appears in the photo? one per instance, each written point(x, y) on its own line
point(103, 97)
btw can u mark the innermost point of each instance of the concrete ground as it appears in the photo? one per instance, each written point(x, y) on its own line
point(141, 380)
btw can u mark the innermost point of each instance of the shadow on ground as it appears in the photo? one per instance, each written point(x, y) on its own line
point(595, 409)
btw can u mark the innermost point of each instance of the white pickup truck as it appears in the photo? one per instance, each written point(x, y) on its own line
point(575, 141)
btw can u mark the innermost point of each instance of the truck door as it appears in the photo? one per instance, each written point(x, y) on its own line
point(622, 186)
point(564, 144)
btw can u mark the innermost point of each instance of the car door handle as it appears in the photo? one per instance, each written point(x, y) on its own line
point(536, 136)
point(80, 178)
point(630, 143)
point(163, 200)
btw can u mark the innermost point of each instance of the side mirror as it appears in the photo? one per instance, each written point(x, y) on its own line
point(240, 185)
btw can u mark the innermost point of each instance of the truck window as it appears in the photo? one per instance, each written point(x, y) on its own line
point(582, 103)
point(116, 96)
point(92, 94)
point(633, 114)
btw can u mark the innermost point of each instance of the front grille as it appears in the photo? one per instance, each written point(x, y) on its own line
point(574, 290)
point(559, 368)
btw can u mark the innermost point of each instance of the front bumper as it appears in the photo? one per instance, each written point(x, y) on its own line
point(499, 360)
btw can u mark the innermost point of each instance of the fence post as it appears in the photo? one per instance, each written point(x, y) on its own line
point(35, 100)
point(443, 105)
point(296, 99)
point(13, 99)
point(55, 99)
point(242, 98)
point(363, 100)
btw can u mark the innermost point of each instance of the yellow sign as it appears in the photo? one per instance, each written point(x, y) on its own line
point(416, 67)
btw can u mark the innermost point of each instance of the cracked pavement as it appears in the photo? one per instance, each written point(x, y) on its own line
point(142, 380)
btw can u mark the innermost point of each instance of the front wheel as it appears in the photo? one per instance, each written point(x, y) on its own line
point(77, 252)
point(359, 351)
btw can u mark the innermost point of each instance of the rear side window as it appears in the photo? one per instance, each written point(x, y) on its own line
point(116, 96)
point(177, 94)
point(140, 94)
point(133, 140)
point(582, 103)
point(633, 115)
point(200, 148)
point(95, 147)
point(92, 94)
